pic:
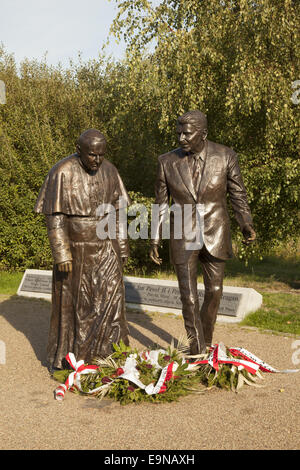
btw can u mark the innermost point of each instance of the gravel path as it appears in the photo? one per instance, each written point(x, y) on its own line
point(30, 419)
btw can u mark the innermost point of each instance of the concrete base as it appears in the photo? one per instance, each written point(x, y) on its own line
point(155, 295)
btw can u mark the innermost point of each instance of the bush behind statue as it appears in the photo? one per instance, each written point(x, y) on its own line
point(240, 74)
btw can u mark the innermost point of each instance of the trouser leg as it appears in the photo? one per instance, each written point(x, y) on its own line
point(187, 281)
point(213, 274)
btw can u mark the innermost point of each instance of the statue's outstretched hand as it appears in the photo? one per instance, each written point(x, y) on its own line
point(249, 234)
point(65, 267)
point(154, 255)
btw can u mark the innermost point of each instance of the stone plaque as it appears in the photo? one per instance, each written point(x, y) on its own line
point(154, 295)
point(36, 283)
point(161, 295)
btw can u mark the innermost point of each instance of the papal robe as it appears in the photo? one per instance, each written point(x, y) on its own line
point(88, 303)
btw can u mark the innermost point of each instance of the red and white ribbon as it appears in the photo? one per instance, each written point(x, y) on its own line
point(130, 371)
point(132, 374)
point(152, 356)
point(165, 376)
point(248, 361)
point(73, 379)
point(263, 366)
point(218, 356)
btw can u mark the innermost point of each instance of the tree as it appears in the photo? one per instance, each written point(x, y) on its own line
point(46, 109)
point(236, 61)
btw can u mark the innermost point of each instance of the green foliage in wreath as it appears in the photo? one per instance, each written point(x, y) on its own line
point(184, 380)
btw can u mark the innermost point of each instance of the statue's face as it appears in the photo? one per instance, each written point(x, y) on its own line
point(190, 139)
point(91, 154)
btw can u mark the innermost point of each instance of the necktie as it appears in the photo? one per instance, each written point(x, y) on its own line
point(197, 171)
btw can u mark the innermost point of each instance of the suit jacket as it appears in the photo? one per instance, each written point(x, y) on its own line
point(220, 176)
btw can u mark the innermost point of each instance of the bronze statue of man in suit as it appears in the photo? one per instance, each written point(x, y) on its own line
point(200, 174)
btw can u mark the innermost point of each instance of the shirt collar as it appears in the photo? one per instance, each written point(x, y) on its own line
point(201, 154)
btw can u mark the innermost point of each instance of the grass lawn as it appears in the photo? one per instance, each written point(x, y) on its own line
point(9, 282)
point(274, 273)
point(279, 312)
point(277, 278)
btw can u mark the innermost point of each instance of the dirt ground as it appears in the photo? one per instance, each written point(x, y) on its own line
point(31, 419)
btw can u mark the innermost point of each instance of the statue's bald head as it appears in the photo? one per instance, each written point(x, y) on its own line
point(90, 135)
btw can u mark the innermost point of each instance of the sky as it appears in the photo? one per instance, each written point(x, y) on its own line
point(60, 28)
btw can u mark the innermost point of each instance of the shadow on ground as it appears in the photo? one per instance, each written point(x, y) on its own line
point(32, 317)
point(144, 320)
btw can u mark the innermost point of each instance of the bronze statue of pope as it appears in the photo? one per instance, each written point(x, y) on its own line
point(88, 296)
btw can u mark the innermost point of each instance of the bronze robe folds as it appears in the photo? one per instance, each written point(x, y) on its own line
point(88, 304)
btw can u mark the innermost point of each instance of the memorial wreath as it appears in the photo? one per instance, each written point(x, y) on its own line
point(159, 375)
